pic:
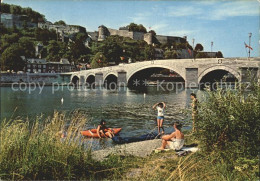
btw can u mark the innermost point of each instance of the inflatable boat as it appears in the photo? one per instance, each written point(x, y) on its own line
point(93, 132)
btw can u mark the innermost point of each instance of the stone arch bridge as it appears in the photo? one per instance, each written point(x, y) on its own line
point(192, 71)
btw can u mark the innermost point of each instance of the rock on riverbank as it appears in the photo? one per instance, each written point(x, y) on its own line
point(141, 149)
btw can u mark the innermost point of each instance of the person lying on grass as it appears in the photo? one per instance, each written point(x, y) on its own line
point(175, 140)
point(102, 130)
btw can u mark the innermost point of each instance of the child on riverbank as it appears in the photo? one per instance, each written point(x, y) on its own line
point(160, 115)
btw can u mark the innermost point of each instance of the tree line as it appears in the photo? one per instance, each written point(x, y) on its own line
point(113, 50)
point(33, 16)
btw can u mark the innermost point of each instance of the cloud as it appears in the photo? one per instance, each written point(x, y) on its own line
point(214, 10)
point(141, 18)
point(159, 27)
point(180, 33)
point(234, 9)
point(178, 11)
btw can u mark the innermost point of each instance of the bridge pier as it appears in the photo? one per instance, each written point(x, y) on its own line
point(81, 80)
point(121, 79)
point(191, 78)
point(249, 74)
point(99, 79)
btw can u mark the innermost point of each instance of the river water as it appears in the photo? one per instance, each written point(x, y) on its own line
point(126, 108)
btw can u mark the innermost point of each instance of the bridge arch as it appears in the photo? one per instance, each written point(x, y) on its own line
point(90, 79)
point(110, 81)
point(220, 67)
point(109, 74)
point(75, 79)
point(156, 66)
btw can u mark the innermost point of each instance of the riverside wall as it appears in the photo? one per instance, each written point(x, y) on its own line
point(43, 78)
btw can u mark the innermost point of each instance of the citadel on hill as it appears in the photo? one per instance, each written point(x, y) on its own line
point(104, 32)
point(11, 20)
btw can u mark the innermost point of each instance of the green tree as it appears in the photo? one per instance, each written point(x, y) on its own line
point(99, 60)
point(53, 50)
point(153, 32)
point(44, 35)
point(202, 55)
point(15, 9)
point(57, 50)
point(5, 8)
point(7, 40)
point(3, 29)
point(14, 29)
point(25, 25)
point(116, 47)
point(33, 16)
point(28, 47)
point(11, 58)
point(149, 52)
point(219, 54)
point(112, 48)
point(60, 23)
point(78, 47)
point(137, 28)
point(199, 47)
point(168, 54)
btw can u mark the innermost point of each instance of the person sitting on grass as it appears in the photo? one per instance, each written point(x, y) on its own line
point(102, 130)
point(175, 140)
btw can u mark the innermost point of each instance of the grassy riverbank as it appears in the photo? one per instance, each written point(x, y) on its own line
point(35, 151)
point(227, 133)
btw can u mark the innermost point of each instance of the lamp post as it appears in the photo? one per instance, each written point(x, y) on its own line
point(250, 34)
point(193, 40)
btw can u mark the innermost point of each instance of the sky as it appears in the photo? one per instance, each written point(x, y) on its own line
point(225, 23)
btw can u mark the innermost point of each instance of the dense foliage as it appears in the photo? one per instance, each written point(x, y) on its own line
point(119, 49)
point(137, 28)
point(199, 47)
point(61, 22)
point(33, 16)
point(99, 60)
point(229, 121)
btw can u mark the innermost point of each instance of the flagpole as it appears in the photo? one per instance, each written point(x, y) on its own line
point(250, 34)
point(246, 53)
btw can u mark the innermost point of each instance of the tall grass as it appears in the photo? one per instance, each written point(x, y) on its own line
point(229, 121)
point(34, 149)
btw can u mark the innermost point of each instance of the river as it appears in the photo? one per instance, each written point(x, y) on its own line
point(126, 108)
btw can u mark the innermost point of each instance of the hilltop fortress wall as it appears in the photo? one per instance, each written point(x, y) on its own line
point(104, 32)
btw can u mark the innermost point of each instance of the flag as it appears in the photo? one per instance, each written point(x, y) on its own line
point(247, 46)
point(189, 51)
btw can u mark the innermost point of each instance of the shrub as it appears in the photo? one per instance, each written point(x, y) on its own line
point(229, 120)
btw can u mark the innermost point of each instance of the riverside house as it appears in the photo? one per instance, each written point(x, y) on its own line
point(34, 65)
